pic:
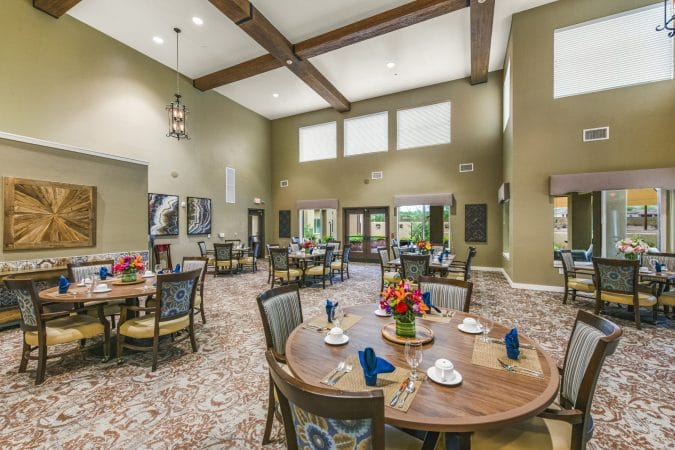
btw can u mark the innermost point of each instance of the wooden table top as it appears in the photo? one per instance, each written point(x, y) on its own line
point(77, 294)
point(434, 263)
point(487, 398)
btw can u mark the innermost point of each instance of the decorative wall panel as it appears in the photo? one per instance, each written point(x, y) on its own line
point(475, 223)
point(285, 224)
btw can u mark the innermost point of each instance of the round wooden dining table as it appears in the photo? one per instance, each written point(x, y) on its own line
point(82, 294)
point(487, 398)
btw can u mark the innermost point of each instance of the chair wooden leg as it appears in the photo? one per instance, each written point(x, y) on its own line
point(637, 317)
point(120, 347)
point(655, 312)
point(342, 274)
point(565, 296)
point(574, 295)
point(25, 353)
point(270, 413)
point(193, 341)
point(42, 364)
point(347, 271)
point(106, 342)
point(155, 352)
point(201, 311)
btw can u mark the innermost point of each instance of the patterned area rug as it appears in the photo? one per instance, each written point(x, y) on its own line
point(217, 397)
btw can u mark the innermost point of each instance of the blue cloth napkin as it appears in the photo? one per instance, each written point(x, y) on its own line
point(426, 298)
point(658, 267)
point(512, 344)
point(64, 284)
point(103, 273)
point(177, 269)
point(372, 365)
point(330, 310)
point(440, 257)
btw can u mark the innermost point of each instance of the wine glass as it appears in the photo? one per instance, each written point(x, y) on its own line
point(413, 355)
point(338, 314)
point(486, 325)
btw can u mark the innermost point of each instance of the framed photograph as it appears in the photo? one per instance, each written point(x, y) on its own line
point(198, 215)
point(163, 215)
point(475, 223)
point(45, 214)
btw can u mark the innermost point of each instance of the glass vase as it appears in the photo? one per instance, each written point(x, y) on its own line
point(405, 328)
point(129, 275)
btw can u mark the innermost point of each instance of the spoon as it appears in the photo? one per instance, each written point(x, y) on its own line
point(410, 388)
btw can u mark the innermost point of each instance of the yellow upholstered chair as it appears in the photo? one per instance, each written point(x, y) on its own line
point(461, 270)
point(281, 269)
point(667, 299)
point(205, 254)
point(388, 271)
point(45, 329)
point(342, 265)
point(172, 312)
point(324, 270)
point(567, 425)
point(616, 281)
point(251, 259)
point(573, 281)
point(224, 260)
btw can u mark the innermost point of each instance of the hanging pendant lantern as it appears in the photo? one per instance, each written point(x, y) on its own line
point(177, 111)
point(668, 18)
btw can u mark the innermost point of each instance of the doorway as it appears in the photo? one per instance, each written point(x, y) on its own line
point(256, 230)
point(366, 229)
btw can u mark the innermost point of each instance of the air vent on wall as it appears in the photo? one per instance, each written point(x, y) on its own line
point(376, 175)
point(283, 183)
point(596, 134)
point(466, 167)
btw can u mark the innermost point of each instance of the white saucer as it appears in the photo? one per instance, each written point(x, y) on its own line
point(342, 341)
point(453, 380)
point(101, 291)
point(382, 313)
point(80, 284)
point(476, 330)
point(148, 276)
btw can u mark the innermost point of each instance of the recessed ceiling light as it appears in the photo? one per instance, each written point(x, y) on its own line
point(197, 20)
point(275, 95)
point(391, 65)
point(158, 40)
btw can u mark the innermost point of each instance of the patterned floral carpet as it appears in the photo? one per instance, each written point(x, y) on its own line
point(216, 398)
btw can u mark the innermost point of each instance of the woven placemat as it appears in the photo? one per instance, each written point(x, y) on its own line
point(487, 355)
point(435, 317)
point(354, 381)
point(324, 326)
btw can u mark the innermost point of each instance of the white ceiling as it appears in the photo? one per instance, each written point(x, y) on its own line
point(430, 52)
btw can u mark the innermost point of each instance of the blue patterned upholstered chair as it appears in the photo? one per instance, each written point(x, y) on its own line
point(172, 312)
point(324, 270)
point(414, 266)
point(389, 274)
point(342, 265)
point(567, 424)
point(224, 260)
point(616, 281)
point(317, 418)
point(281, 312)
point(281, 269)
point(446, 293)
point(42, 329)
point(192, 263)
point(574, 282)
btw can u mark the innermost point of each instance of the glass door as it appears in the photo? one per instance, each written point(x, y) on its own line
point(366, 229)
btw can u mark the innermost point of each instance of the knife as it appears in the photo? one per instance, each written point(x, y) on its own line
point(500, 341)
point(401, 388)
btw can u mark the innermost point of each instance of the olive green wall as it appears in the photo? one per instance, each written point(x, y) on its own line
point(476, 137)
point(65, 82)
point(547, 132)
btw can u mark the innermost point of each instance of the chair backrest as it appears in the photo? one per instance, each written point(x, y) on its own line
point(396, 251)
point(281, 313)
point(328, 257)
point(414, 266)
point(236, 242)
point(469, 260)
point(437, 248)
point(384, 255)
point(80, 271)
point(592, 339)
point(25, 292)
point(345, 254)
point(294, 247)
point(448, 293)
point(176, 295)
point(567, 261)
point(202, 248)
point(667, 259)
point(163, 255)
point(358, 417)
point(256, 250)
point(334, 244)
point(196, 263)
point(223, 252)
point(279, 257)
point(616, 275)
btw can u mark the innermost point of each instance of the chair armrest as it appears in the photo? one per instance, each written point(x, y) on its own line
point(455, 269)
point(56, 315)
point(584, 270)
point(571, 416)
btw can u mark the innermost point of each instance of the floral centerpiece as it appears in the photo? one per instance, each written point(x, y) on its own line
point(632, 248)
point(128, 266)
point(308, 245)
point(403, 303)
point(424, 246)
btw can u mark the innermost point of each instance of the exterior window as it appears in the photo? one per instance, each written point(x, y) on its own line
point(318, 142)
point(423, 126)
point(318, 224)
point(367, 134)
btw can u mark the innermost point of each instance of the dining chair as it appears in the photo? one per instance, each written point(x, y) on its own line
point(281, 268)
point(462, 270)
point(414, 266)
point(250, 260)
point(268, 256)
point(281, 312)
point(224, 260)
point(42, 329)
point(447, 293)
point(388, 275)
point(337, 419)
point(616, 281)
point(573, 282)
point(567, 424)
point(294, 247)
point(80, 270)
point(163, 255)
point(324, 270)
point(396, 251)
point(192, 263)
point(171, 313)
point(342, 265)
point(203, 251)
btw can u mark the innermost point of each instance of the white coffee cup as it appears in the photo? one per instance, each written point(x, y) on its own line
point(444, 367)
point(148, 273)
point(470, 323)
point(335, 334)
point(101, 287)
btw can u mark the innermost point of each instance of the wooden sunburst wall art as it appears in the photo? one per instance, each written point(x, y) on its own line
point(46, 214)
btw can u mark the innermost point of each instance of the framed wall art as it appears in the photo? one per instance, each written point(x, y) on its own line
point(285, 224)
point(475, 223)
point(163, 215)
point(198, 215)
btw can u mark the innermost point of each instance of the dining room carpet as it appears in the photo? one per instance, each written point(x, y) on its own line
point(217, 397)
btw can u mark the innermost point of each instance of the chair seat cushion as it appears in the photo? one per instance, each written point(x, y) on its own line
point(392, 277)
point(246, 260)
point(67, 329)
point(581, 284)
point(455, 276)
point(144, 327)
point(644, 299)
point(395, 439)
point(532, 434)
point(317, 270)
point(337, 265)
point(294, 273)
point(227, 264)
point(667, 298)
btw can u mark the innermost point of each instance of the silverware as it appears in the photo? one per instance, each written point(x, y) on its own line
point(408, 390)
point(500, 341)
point(400, 391)
point(315, 327)
point(511, 368)
point(340, 373)
point(339, 367)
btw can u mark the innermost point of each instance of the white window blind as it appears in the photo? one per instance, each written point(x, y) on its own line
point(507, 96)
point(318, 142)
point(615, 51)
point(367, 134)
point(229, 185)
point(426, 125)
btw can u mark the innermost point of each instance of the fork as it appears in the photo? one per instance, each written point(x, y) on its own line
point(338, 369)
point(408, 390)
point(511, 368)
point(340, 373)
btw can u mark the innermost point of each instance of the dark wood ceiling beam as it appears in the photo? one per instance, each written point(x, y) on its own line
point(55, 8)
point(256, 25)
point(482, 16)
point(377, 25)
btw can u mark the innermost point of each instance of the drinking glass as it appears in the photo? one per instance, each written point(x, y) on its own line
point(413, 356)
point(338, 314)
point(94, 282)
point(486, 325)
